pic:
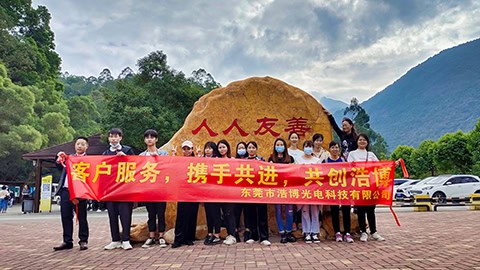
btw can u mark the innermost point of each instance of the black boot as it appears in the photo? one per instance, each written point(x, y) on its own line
point(237, 237)
point(283, 238)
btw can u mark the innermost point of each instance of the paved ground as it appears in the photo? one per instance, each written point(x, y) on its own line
point(448, 239)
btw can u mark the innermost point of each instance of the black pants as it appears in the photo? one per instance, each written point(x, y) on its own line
point(228, 210)
point(186, 222)
point(67, 209)
point(345, 217)
point(124, 211)
point(372, 222)
point(156, 211)
point(256, 220)
point(214, 217)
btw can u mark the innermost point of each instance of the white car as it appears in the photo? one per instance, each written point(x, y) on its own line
point(402, 191)
point(448, 186)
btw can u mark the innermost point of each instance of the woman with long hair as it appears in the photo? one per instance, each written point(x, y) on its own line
point(347, 134)
point(212, 209)
point(228, 209)
point(280, 155)
point(363, 154)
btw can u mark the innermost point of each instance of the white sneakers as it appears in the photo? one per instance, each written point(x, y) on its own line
point(265, 243)
point(162, 242)
point(150, 242)
point(230, 240)
point(250, 241)
point(364, 237)
point(113, 245)
point(126, 245)
point(377, 237)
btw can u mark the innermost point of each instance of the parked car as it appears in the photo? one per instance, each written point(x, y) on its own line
point(448, 186)
point(401, 191)
point(397, 182)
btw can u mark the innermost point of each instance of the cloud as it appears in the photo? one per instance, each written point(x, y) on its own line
point(339, 48)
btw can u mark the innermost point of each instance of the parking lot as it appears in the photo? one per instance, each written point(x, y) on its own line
point(447, 239)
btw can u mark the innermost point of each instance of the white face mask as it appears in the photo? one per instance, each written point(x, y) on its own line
point(308, 150)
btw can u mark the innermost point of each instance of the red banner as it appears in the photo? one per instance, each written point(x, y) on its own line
point(165, 178)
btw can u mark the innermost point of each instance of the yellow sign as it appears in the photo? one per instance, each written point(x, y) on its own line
point(46, 194)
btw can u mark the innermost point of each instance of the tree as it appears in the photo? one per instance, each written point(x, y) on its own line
point(452, 155)
point(157, 97)
point(405, 152)
point(361, 120)
point(127, 73)
point(84, 116)
point(423, 159)
point(105, 76)
point(474, 147)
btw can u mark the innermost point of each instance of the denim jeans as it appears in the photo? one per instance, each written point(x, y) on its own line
point(310, 219)
point(287, 226)
point(3, 205)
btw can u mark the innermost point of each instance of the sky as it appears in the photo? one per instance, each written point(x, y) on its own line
point(341, 49)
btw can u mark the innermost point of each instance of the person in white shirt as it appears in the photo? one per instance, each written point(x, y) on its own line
point(318, 150)
point(310, 213)
point(293, 150)
point(362, 154)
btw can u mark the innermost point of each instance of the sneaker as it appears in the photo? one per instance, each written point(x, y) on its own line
point(126, 245)
point(162, 242)
point(265, 243)
point(113, 245)
point(230, 240)
point(250, 241)
point(364, 237)
point(150, 242)
point(308, 239)
point(338, 237)
point(315, 238)
point(291, 238)
point(215, 240)
point(283, 238)
point(377, 237)
point(348, 238)
point(208, 240)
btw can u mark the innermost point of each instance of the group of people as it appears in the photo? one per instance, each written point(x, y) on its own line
point(352, 147)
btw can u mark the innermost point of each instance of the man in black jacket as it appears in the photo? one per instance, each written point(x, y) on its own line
point(119, 209)
point(67, 206)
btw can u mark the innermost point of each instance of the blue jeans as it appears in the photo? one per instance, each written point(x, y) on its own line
point(287, 227)
point(3, 205)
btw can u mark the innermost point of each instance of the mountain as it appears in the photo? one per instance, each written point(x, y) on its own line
point(438, 96)
point(331, 104)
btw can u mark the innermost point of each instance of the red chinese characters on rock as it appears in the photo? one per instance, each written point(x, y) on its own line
point(266, 125)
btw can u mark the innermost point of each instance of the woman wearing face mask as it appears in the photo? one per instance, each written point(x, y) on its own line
point(347, 134)
point(293, 150)
point(280, 155)
point(318, 150)
point(310, 213)
point(334, 148)
point(256, 216)
point(362, 154)
point(228, 209)
point(212, 210)
point(241, 153)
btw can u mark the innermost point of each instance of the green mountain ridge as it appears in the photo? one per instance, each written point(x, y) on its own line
point(436, 97)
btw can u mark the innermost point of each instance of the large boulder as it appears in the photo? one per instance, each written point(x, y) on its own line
point(258, 109)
